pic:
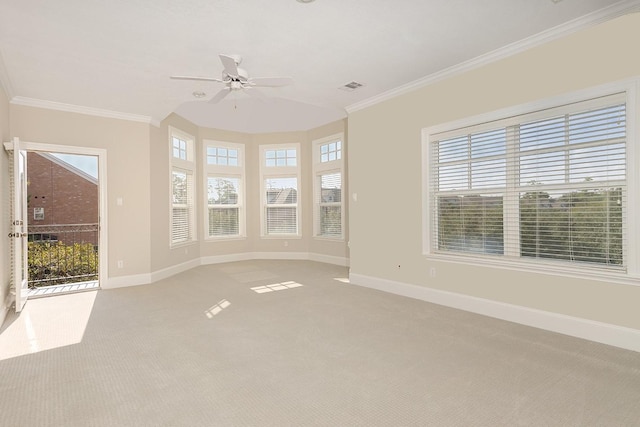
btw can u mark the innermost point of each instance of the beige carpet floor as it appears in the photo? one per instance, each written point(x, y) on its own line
point(287, 343)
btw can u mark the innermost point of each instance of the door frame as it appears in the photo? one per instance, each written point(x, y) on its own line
point(19, 221)
point(101, 154)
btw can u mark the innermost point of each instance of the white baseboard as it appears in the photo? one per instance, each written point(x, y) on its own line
point(6, 306)
point(219, 259)
point(604, 333)
point(3, 315)
point(124, 281)
point(174, 269)
point(300, 256)
point(329, 259)
point(144, 279)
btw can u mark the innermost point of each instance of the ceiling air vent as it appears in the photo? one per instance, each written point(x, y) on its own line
point(351, 86)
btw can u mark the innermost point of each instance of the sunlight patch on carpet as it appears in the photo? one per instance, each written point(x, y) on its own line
point(47, 323)
point(217, 308)
point(276, 287)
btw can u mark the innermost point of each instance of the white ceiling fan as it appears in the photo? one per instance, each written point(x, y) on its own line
point(238, 79)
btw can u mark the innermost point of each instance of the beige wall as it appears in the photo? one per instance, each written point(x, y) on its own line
point(5, 260)
point(209, 248)
point(331, 247)
point(128, 174)
point(163, 257)
point(253, 194)
point(385, 159)
point(138, 173)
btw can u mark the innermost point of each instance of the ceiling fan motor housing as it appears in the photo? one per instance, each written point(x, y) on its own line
point(243, 76)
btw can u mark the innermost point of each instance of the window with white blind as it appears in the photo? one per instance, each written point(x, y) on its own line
point(280, 177)
point(182, 187)
point(224, 166)
point(549, 186)
point(327, 172)
point(330, 205)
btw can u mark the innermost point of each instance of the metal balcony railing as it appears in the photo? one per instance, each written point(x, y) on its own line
point(62, 254)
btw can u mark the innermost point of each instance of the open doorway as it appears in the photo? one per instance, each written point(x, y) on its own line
point(63, 170)
point(63, 214)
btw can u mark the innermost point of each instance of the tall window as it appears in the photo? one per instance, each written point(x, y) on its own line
point(549, 186)
point(280, 178)
point(182, 187)
point(224, 166)
point(327, 172)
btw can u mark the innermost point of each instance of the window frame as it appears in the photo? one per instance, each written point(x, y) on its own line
point(508, 116)
point(187, 166)
point(224, 171)
point(272, 172)
point(319, 169)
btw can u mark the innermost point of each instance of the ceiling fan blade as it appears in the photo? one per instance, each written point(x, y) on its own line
point(206, 79)
point(229, 64)
point(220, 95)
point(255, 93)
point(271, 81)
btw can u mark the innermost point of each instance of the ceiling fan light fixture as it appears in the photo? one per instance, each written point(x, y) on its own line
point(305, 1)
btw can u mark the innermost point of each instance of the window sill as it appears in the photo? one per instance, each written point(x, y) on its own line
point(281, 236)
point(587, 272)
point(224, 239)
point(329, 239)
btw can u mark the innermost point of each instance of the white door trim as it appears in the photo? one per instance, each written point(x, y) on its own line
point(101, 154)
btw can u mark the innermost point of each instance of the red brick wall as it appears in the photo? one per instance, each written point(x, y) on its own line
point(67, 198)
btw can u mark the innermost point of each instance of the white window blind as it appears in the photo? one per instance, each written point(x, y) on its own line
point(281, 196)
point(224, 213)
point(223, 206)
point(549, 186)
point(182, 206)
point(330, 204)
point(182, 224)
point(280, 180)
point(328, 169)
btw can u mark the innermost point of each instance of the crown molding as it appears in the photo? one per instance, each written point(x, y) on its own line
point(616, 10)
point(70, 108)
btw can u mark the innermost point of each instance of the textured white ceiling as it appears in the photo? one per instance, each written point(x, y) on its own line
point(118, 55)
